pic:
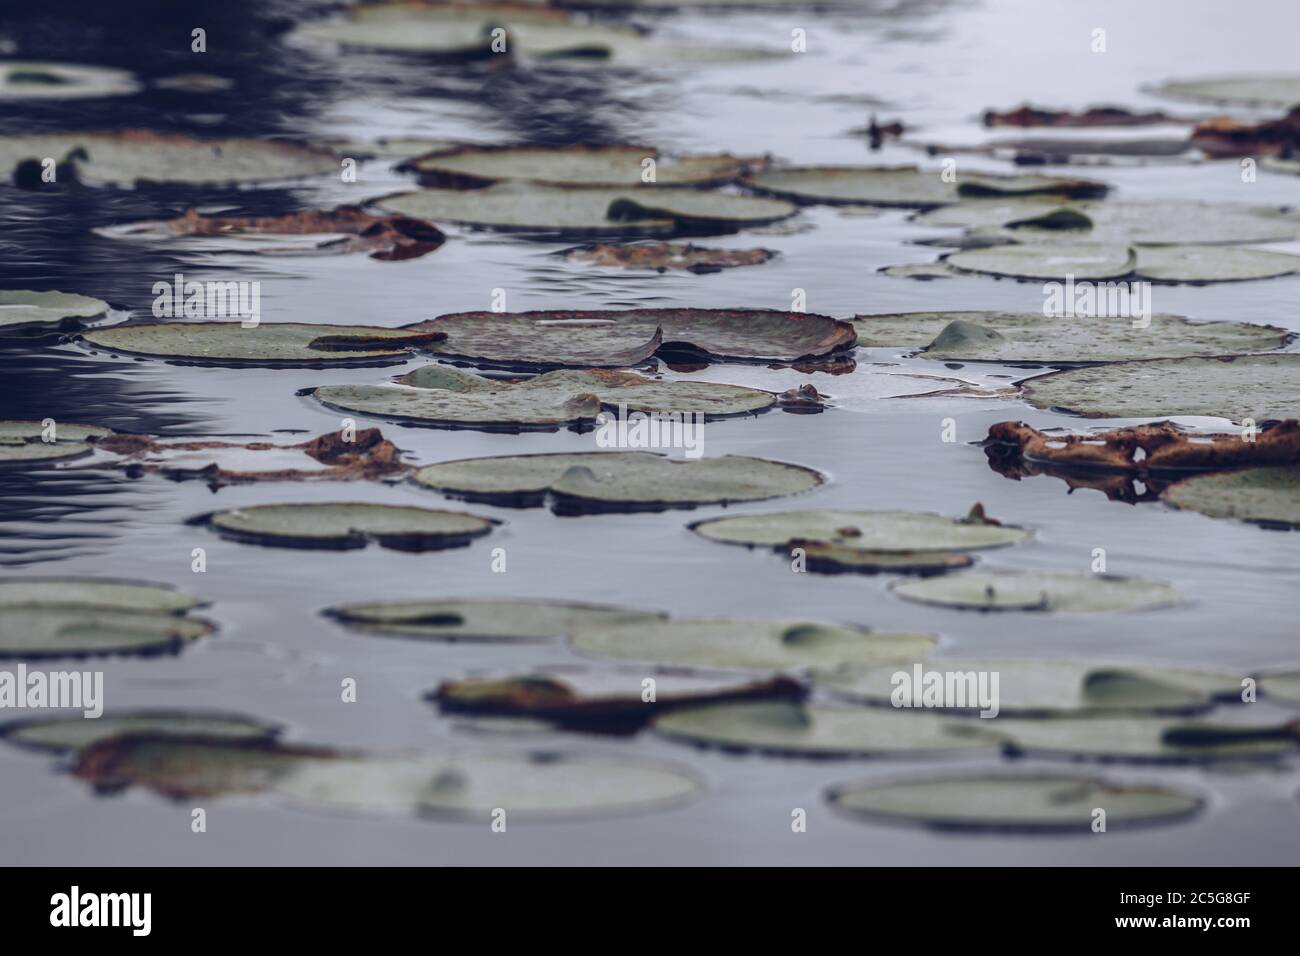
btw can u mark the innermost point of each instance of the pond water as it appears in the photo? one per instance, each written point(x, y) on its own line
point(935, 65)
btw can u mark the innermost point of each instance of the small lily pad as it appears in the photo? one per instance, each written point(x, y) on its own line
point(1261, 387)
point(340, 525)
point(1020, 802)
point(482, 620)
point(902, 185)
point(516, 206)
point(1261, 90)
point(25, 80)
point(1065, 593)
point(61, 735)
point(20, 309)
point(805, 730)
point(727, 644)
point(1146, 739)
point(584, 482)
point(1033, 337)
point(1083, 261)
point(269, 344)
point(1268, 496)
point(892, 532)
point(94, 593)
point(35, 632)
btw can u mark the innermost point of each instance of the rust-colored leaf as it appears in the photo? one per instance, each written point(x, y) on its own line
point(1026, 116)
point(666, 255)
point(1223, 136)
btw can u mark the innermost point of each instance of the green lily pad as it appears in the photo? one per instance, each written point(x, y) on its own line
point(22, 442)
point(34, 632)
point(270, 344)
point(1033, 337)
point(1020, 802)
point(901, 185)
point(725, 644)
point(1044, 688)
point(340, 525)
point(516, 206)
point(1262, 90)
point(39, 452)
point(531, 785)
point(94, 593)
point(61, 735)
point(1145, 739)
point(1062, 592)
point(908, 533)
point(1281, 685)
point(439, 395)
point(610, 166)
point(27, 80)
point(556, 339)
point(20, 309)
point(482, 620)
point(1082, 260)
point(1261, 387)
point(140, 156)
point(805, 730)
point(582, 482)
point(842, 556)
point(923, 271)
point(1213, 264)
point(1268, 496)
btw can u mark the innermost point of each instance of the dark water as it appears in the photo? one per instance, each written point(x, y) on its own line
point(935, 65)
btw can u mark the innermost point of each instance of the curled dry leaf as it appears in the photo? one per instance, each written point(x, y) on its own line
point(1222, 136)
point(663, 256)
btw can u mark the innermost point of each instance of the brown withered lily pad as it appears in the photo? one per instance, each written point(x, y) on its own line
point(558, 339)
point(1027, 116)
point(608, 701)
point(386, 238)
point(345, 525)
point(666, 256)
point(1223, 136)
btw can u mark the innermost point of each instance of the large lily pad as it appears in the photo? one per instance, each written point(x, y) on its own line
point(1080, 260)
point(1033, 337)
point(1267, 496)
point(869, 531)
point(1043, 688)
point(1281, 685)
point(21, 309)
point(340, 525)
point(268, 344)
point(1020, 802)
point(107, 594)
point(18, 453)
point(1146, 739)
point(616, 481)
point(555, 339)
point(440, 395)
point(1039, 591)
point(1261, 90)
point(481, 620)
point(1261, 387)
point(1213, 264)
point(142, 156)
point(61, 735)
point(903, 185)
point(29, 80)
point(725, 644)
point(517, 206)
point(806, 730)
point(468, 787)
point(32, 633)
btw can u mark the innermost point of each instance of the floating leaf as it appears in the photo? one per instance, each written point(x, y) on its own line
point(1098, 116)
point(1281, 685)
point(1213, 264)
point(806, 730)
point(583, 482)
point(339, 525)
point(481, 621)
point(94, 593)
point(725, 644)
point(439, 395)
point(530, 207)
point(34, 632)
point(666, 256)
point(61, 735)
point(1082, 261)
point(27, 80)
point(1146, 739)
point(270, 344)
point(1223, 136)
point(1262, 90)
point(23, 453)
point(1267, 496)
point(1261, 387)
point(923, 271)
point(1039, 591)
point(597, 338)
point(1033, 337)
point(1020, 802)
point(21, 309)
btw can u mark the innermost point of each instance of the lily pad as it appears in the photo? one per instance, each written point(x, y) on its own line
point(807, 730)
point(20, 309)
point(35, 632)
point(1261, 90)
point(1146, 739)
point(1081, 260)
point(1033, 337)
point(439, 395)
point(666, 256)
point(28, 80)
point(143, 156)
point(1261, 387)
point(583, 482)
point(481, 620)
point(1048, 688)
point(106, 594)
point(727, 644)
point(1040, 591)
point(535, 785)
point(1020, 802)
point(1281, 685)
point(556, 339)
point(902, 185)
point(1267, 496)
point(340, 525)
point(1213, 264)
point(270, 344)
point(61, 735)
point(20, 453)
point(515, 206)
